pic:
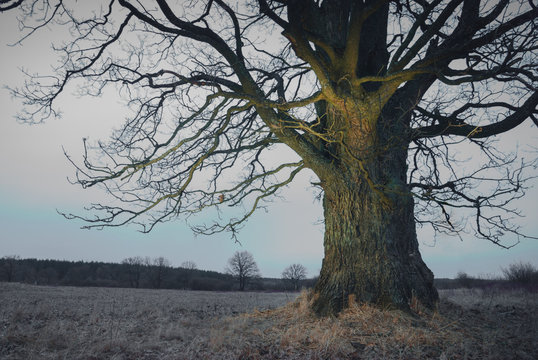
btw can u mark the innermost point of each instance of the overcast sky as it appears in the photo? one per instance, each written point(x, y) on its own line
point(33, 186)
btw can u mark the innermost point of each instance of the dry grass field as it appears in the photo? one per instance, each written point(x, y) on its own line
point(39, 322)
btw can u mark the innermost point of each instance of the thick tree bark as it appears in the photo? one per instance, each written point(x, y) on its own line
point(371, 247)
point(371, 252)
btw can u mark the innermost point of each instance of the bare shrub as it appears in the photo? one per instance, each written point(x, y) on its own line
point(521, 273)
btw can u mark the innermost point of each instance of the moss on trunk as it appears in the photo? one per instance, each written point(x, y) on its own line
point(371, 252)
point(371, 247)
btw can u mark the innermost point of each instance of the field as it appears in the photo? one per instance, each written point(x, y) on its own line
point(38, 322)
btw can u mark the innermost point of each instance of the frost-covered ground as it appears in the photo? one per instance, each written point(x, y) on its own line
point(77, 323)
point(39, 322)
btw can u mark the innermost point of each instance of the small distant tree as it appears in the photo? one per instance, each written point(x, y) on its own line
point(189, 265)
point(521, 273)
point(135, 267)
point(294, 274)
point(464, 280)
point(242, 266)
point(8, 265)
point(160, 268)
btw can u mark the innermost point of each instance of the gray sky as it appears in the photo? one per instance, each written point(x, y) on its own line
point(33, 185)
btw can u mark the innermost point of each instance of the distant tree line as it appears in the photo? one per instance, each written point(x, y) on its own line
point(242, 273)
point(137, 272)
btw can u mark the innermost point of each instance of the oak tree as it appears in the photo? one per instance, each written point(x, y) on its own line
point(294, 274)
point(243, 267)
point(377, 98)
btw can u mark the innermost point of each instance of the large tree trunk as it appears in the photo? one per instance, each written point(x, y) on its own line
point(371, 247)
point(371, 252)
